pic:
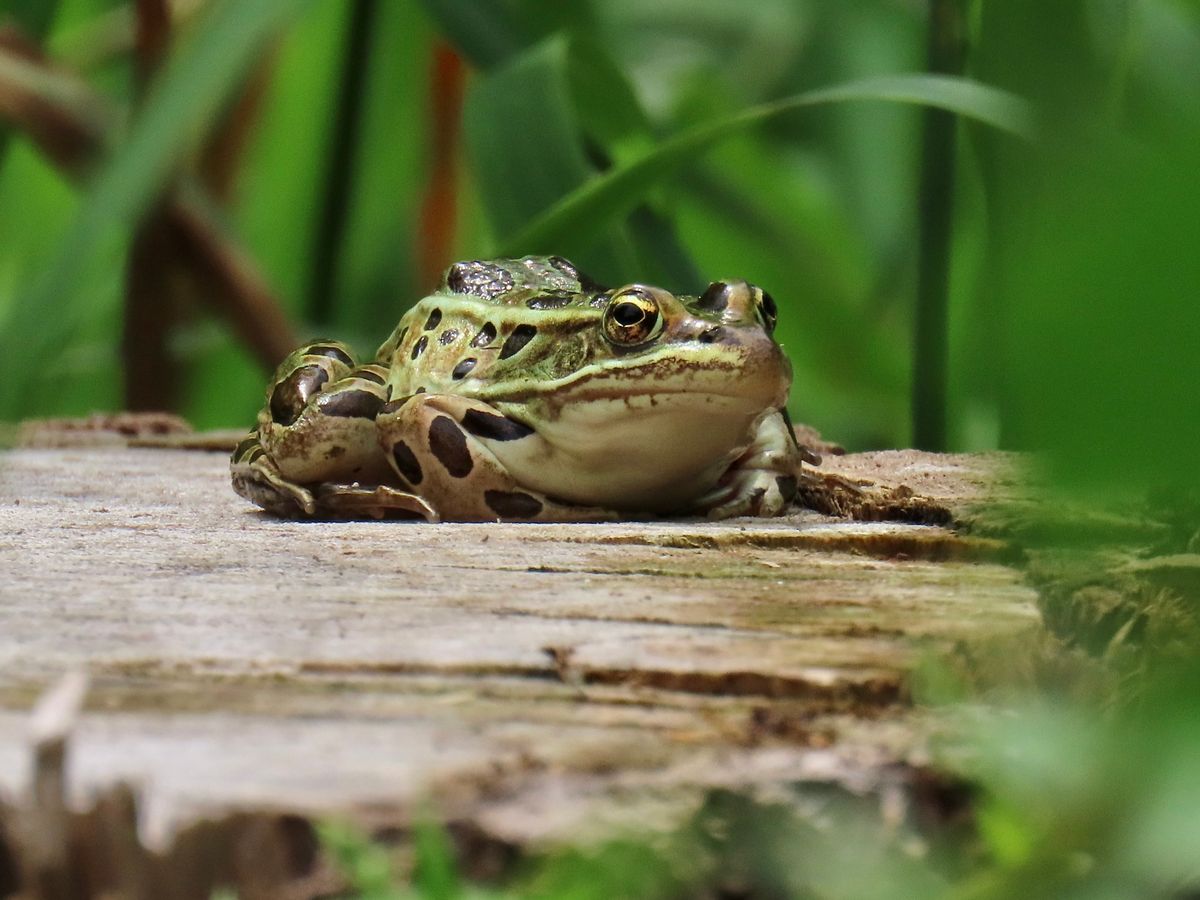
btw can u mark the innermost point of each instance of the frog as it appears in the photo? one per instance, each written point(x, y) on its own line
point(522, 390)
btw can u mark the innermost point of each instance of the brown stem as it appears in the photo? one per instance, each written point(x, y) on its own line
point(57, 111)
point(152, 36)
point(151, 308)
point(221, 158)
point(438, 216)
point(230, 281)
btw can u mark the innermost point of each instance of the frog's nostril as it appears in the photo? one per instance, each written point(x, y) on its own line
point(711, 335)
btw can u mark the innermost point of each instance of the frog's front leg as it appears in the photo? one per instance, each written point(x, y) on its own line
point(315, 452)
point(763, 480)
point(442, 446)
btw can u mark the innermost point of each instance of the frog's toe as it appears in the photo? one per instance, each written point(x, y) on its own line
point(756, 493)
point(257, 479)
point(338, 501)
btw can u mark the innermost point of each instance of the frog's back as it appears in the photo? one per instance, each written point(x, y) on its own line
point(482, 315)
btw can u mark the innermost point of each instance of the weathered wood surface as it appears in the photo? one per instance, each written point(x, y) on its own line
point(519, 676)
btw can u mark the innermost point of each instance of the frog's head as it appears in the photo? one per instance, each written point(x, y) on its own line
point(643, 348)
point(719, 344)
point(649, 393)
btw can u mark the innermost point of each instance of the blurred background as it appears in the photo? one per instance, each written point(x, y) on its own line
point(190, 187)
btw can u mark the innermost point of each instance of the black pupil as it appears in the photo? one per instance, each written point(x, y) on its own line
point(628, 314)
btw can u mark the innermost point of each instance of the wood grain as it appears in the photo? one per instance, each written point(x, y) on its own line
point(519, 677)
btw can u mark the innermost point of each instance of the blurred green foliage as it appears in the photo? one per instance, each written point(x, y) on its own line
point(626, 135)
point(817, 205)
point(641, 138)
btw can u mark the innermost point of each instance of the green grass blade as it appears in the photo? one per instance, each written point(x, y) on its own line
point(436, 875)
point(183, 102)
point(573, 220)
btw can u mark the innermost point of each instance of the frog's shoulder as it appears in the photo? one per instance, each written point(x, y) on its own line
point(517, 281)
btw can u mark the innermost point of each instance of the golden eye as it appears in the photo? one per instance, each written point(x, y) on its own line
point(631, 318)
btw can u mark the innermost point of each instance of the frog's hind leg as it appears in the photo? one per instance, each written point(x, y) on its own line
point(314, 452)
point(440, 444)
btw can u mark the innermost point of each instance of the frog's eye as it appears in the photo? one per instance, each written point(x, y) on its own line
point(631, 317)
point(770, 311)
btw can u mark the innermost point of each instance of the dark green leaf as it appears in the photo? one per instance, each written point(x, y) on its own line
point(33, 16)
point(488, 33)
point(485, 33)
point(528, 148)
point(540, 126)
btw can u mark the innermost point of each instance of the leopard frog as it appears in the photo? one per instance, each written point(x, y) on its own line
point(522, 390)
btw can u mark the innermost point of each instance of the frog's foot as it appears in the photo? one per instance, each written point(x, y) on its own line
point(443, 446)
point(257, 479)
point(314, 452)
point(753, 492)
point(763, 481)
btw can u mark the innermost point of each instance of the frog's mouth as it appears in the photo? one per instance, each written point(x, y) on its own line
point(755, 375)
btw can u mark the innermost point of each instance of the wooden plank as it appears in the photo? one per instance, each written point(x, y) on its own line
point(515, 674)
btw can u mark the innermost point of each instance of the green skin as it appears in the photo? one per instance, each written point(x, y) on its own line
point(521, 390)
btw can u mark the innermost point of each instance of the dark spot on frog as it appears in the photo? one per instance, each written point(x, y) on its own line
point(351, 404)
point(419, 346)
point(513, 505)
point(337, 353)
point(787, 487)
point(256, 454)
point(246, 445)
point(434, 318)
point(521, 335)
point(711, 335)
point(368, 375)
point(486, 335)
point(599, 301)
point(550, 301)
point(392, 344)
point(483, 279)
point(447, 337)
point(419, 390)
point(335, 451)
point(291, 395)
point(393, 406)
point(461, 371)
point(770, 311)
point(406, 463)
point(448, 444)
point(497, 428)
point(565, 266)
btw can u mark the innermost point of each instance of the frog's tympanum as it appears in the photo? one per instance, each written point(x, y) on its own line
point(521, 390)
